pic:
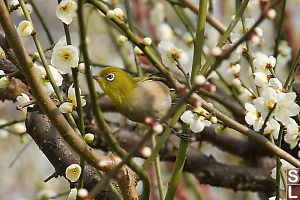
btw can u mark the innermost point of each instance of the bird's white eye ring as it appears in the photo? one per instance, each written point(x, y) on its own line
point(110, 77)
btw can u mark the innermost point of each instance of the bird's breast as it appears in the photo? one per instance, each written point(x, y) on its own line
point(150, 98)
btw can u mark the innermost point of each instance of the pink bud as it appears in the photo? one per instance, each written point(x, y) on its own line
point(194, 101)
point(263, 4)
point(149, 121)
point(103, 165)
point(181, 90)
point(210, 87)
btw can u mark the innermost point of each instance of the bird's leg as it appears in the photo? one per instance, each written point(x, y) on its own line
point(188, 137)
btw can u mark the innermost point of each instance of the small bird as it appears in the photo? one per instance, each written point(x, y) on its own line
point(135, 98)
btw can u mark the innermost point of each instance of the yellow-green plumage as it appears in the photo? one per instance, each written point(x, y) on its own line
point(136, 99)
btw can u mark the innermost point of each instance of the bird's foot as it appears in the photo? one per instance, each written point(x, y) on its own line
point(184, 136)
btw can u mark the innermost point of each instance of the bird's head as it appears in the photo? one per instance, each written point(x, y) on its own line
point(116, 84)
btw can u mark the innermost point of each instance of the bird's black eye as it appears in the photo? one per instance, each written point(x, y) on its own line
point(110, 77)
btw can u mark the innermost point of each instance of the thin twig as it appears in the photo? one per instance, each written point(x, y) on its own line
point(20, 153)
point(199, 40)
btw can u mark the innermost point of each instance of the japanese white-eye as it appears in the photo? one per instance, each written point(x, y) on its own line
point(135, 98)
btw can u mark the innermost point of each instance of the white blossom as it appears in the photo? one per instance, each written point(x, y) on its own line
point(253, 117)
point(245, 95)
point(71, 103)
point(22, 100)
point(44, 77)
point(272, 128)
point(28, 7)
point(72, 194)
point(73, 172)
point(275, 84)
point(25, 28)
point(64, 57)
point(263, 63)
point(196, 121)
point(261, 79)
point(292, 135)
point(66, 11)
point(286, 107)
point(169, 52)
point(19, 10)
point(61, 42)
point(266, 101)
point(66, 107)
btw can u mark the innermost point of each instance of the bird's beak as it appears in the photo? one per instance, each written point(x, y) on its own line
point(96, 77)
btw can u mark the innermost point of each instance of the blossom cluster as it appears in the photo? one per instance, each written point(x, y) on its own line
point(63, 59)
point(275, 107)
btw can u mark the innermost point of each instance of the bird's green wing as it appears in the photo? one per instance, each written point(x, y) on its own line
point(140, 79)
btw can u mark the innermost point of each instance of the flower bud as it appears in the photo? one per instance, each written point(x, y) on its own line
point(82, 193)
point(81, 68)
point(270, 13)
point(219, 129)
point(157, 128)
point(110, 14)
point(137, 51)
point(35, 56)
point(122, 39)
point(119, 13)
point(149, 121)
point(263, 3)
point(199, 80)
point(4, 82)
point(89, 137)
point(147, 41)
point(66, 107)
point(236, 83)
point(146, 151)
point(25, 28)
point(210, 88)
point(103, 165)
point(213, 119)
